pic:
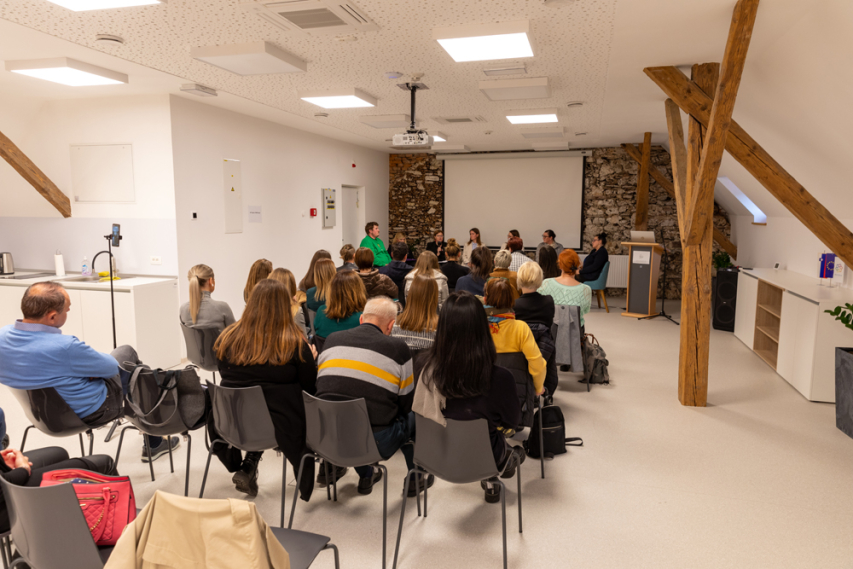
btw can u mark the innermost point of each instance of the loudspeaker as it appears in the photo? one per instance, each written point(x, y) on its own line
point(725, 299)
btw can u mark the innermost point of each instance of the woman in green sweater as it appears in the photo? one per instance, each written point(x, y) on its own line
point(344, 304)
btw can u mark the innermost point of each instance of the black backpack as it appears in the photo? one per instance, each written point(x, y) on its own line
point(553, 433)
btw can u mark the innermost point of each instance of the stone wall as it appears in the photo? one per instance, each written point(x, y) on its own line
point(416, 200)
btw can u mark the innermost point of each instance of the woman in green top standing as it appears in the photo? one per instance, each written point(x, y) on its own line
point(344, 304)
point(372, 242)
point(565, 289)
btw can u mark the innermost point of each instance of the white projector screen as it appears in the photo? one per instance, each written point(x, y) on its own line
point(528, 194)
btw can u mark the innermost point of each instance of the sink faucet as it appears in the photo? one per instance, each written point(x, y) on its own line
point(96, 257)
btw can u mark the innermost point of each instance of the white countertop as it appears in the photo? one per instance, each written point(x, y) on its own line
point(801, 285)
point(124, 284)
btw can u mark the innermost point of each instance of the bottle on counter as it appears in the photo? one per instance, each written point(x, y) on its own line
point(87, 270)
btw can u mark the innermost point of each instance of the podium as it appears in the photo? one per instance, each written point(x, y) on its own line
point(643, 274)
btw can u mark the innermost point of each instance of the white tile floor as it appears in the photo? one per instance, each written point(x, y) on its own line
point(759, 478)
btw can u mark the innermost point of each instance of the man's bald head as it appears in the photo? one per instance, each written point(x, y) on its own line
point(46, 303)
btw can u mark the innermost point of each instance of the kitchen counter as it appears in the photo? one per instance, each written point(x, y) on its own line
point(125, 284)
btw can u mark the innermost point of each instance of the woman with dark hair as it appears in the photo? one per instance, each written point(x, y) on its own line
point(308, 280)
point(595, 261)
point(473, 244)
point(437, 246)
point(481, 268)
point(548, 262)
point(260, 270)
point(512, 233)
point(565, 289)
point(461, 378)
point(452, 269)
point(266, 348)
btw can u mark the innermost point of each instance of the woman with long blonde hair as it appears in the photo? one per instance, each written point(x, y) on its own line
point(324, 272)
point(418, 322)
point(346, 300)
point(285, 277)
point(201, 310)
point(260, 270)
point(427, 266)
point(266, 348)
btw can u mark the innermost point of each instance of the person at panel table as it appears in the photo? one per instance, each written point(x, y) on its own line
point(372, 242)
point(549, 239)
point(473, 242)
point(437, 246)
point(595, 261)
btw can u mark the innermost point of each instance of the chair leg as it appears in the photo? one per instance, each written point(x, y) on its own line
point(334, 483)
point(298, 482)
point(120, 441)
point(598, 298)
point(283, 486)
point(503, 516)
point(335, 549)
point(604, 298)
point(112, 430)
point(402, 515)
point(328, 484)
point(168, 440)
point(3, 553)
point(518, 475)
point(91, 441)
point(82, 447)
point(214, 378)
point(207, 466)
point(189, 455)
point(385, 513)
point(147, 445)
point(26, 432)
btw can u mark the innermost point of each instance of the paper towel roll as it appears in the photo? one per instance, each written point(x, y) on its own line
point(59, 265)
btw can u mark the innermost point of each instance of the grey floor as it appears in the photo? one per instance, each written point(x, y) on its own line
point(759, 478)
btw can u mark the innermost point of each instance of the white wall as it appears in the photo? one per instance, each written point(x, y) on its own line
point(32, 229)
point(784, 240)
point(283, 170)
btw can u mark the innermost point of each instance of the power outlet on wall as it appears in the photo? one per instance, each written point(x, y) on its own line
point(156, 261)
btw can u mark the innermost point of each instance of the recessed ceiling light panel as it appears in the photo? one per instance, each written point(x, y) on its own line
point(342, 99)
point(532, 116)
point(509, 89)
point(507, 40)
point(85, 5)
point(439, 137)
point(66, 71)
point(255, 58)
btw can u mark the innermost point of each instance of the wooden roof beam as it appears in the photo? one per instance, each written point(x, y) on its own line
point(641, 217)
point(32, 174)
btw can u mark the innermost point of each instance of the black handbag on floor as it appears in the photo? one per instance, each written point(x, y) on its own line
point(180, 387)
point(553, 433)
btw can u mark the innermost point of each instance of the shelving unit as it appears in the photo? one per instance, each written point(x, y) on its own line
point(767, 322)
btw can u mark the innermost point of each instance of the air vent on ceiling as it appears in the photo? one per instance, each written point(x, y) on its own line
point(314, 16)
point(459, 120)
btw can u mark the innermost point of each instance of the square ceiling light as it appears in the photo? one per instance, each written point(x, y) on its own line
point(439, 137)
point(84, 5)
point(485, 42)
point(532, 116)
point(508, 89)
point(386, 121)
point(342, 99)
point(254, 58)
point(66, 71)
point(543, 132)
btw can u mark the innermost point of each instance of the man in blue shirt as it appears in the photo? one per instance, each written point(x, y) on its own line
point(34, 354)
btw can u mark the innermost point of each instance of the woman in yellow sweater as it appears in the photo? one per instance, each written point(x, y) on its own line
point(509, 334)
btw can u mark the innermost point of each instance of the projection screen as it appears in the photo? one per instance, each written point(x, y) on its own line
point(528, 194)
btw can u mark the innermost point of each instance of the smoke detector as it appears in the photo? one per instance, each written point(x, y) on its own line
point(107, 39)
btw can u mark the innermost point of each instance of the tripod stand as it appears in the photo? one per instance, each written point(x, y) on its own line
point(662, 312)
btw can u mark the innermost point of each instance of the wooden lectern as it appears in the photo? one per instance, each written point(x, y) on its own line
point(643, 274)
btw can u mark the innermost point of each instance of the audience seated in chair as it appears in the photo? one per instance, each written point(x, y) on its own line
point(427, 266)
point(452, 269)
point(202, 310)
point(548, 263)
point(308, 280)
point(366, 362)
point(565, 289)
point(461, 381)
point(343, 307)
point(481, 268)
point(503, 259)
point(34, 354)
point(516, 247)
point(348, 258)
point(297, 297)
point(324, 272)
point(259, 270)
point(537, 311)
point(375, 283)
point(266, 348)
point(397, 269)
point(416, 325)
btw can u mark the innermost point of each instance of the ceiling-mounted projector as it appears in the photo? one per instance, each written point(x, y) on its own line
point(412, 139)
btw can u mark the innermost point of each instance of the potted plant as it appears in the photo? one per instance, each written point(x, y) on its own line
point(844, 374)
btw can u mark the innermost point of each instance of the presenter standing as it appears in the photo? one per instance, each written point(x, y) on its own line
point(372, 242)
point(595, 261)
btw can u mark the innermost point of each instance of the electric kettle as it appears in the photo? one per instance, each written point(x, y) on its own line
point(7, 266)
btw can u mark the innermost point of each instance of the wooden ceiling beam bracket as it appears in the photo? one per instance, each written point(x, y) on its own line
point(32, 174)
point(678, 152)
point(641, 218)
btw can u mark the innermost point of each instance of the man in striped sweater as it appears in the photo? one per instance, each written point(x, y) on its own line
point(367, 362)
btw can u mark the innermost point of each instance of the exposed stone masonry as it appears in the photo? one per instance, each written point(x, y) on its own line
point(415, 197)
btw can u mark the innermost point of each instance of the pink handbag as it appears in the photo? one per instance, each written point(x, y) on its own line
point(107, 502)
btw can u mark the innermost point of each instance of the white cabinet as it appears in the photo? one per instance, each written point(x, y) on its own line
point(97, 319)
point(747, 300)
point(797, 341)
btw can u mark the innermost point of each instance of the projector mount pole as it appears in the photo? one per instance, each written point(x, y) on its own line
point(413, 88)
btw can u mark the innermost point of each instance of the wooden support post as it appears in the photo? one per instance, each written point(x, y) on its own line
point(31, 173)
point(664, 182)
point(694, 352)
point(641, 219)
point(678, 154)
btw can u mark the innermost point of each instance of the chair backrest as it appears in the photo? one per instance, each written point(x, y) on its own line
point(48, 527)
point(242, 417)
point(601, 282)
point(310, 316)
point(48, 412)
point(200, 342)
point(166, 416)
point(340, 431)
point(459, 453)
point(516, 363)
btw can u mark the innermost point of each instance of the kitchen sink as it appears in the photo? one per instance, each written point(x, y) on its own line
point(90, 279)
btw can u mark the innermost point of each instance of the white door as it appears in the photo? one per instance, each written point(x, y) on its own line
point(351, 214)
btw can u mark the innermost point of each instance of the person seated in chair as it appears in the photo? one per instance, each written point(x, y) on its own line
point(537, 311)
point(462, 380)
point(202, 310)
point(397, 269)
point(34, 354)
point(595, 261)
point(366, 362)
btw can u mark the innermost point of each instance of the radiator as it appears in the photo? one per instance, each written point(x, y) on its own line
point(618, 275)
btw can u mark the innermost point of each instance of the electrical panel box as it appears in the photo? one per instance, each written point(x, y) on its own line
point(329, 207)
